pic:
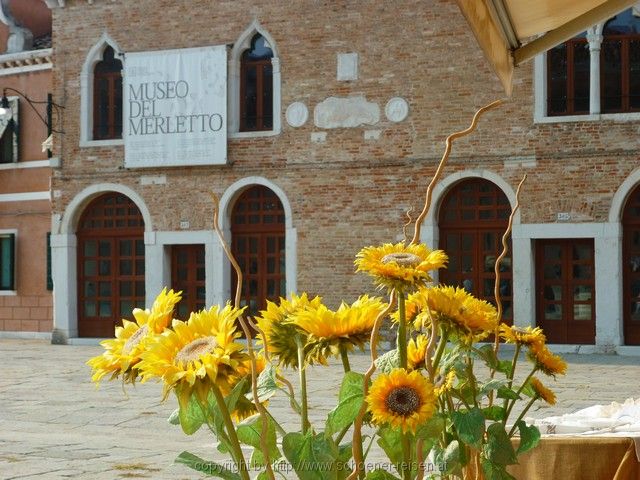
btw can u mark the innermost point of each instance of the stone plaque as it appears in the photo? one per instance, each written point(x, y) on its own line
point(297, 114)
point(397, 109)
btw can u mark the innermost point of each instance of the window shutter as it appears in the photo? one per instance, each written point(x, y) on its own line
point(49, 275)
point(7, 261)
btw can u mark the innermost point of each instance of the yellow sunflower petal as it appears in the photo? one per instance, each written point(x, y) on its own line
point(401, 399)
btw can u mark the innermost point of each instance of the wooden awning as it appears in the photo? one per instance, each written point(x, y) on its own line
point(511, 32)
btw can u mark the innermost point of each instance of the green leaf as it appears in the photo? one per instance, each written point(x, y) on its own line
point(192, 417)
point(448, 460)
point(262, 476)
point(387, 362)
point(344, 455)
point(506, 392)
point(494, 384)
point(174, 418)
point(487, 353)
point(379, 474)
point(529, 437)
point(251, 433)
point(390, 440)
point(504, 366)
point(432, 429)
point(350, 400)
point(267, 383)
point(494, 412)
point(528, 390)
point(495, 472)
point(470, 426)
point(313, 457)
point(498, 448)
point(211, 469)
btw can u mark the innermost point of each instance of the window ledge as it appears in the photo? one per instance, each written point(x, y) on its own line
point(262, 133)
point(116, 142)
point(49, 163)
point(8, 293)
point(616, 117)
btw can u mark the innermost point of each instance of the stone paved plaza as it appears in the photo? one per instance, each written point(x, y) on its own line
point(55, 424)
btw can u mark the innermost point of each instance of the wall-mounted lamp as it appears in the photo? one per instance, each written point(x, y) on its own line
point(5, 109)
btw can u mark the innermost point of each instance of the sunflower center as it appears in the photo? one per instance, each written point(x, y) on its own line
point(194, 350)
point(403, 401)
point(403, 259)
point(135, 339)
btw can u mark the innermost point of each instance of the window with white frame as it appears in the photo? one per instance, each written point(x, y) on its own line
point(7, 261)
point(597, 72)
point(9, 131)
point(254, 85)
point(101, 95)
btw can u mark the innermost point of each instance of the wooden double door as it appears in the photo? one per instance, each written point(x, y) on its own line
point(565, 290)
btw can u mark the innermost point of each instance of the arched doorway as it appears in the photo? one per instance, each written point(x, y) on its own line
point(258, 244)
point(110, 264)
point(473, 216)
point(631, 268)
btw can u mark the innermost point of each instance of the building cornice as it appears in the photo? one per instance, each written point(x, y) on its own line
point(28, 61)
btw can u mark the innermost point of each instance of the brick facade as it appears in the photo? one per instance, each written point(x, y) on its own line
point(347, 191)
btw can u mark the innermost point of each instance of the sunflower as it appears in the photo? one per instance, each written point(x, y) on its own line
point(446, 383)
point(400, 266)
point(401, 399)
point(122, 353)
point(416, 351)
point(245, 406)
point(542, 392)
point(348, 327)
point(546, 361)
point(276, 322)
point(522, 336)
point(415, 310)
point(197, 354)
point(456, 307)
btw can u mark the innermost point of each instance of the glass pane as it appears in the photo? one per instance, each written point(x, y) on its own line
point(553, 312)
point(90, 267)
point(489, 240)
point(489, 263)
point(582, 293)
point(505, 288)
point(183, 256)
point(485, 214)
point(253, 266)
point(557, 80)
point(552, 252)
point(126, 289)
point(553, 292)
point(139, 267)
point(241, 244)
point(126, 247)
point(126, 267)
point(271, 288)
point(253, 288)
point(105, 309)
point(90, 247)
point(582, 272)
point(467, 242)
point(452, 241)
point(611, 77)
point(126, 307)
point(552, 272)
point(253, 245)
point(271, 265)
point(200, 293)
point(89, 308)
point(140, 247)
point(105, 267)
point(582, 312)
point(467, 264)
point(200, 274)
point(182, 274)
point(105, 289)
point(581, 74)
point(582, 252)
point(104, 248)
point(634, 74)
point(89, 289)
point(271, 245)
point(488, 288)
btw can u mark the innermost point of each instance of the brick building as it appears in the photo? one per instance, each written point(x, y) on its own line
point(26, 306)
point(325, 122)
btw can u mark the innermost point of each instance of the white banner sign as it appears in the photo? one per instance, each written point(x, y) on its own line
point(175, 107)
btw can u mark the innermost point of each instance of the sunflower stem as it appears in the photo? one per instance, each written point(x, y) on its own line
point(521, 416)
point(302, 372)
point(231, 432)
point(345, 359)
point(440, 351)
point(406, 457)
point(513, 402)
point(402, 331)
point(513, 370)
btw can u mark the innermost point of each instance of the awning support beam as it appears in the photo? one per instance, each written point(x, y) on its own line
point(570, 29)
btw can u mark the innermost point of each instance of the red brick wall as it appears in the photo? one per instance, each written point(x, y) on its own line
point(347, 192)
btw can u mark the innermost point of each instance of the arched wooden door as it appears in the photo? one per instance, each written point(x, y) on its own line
point(631, 268)
point(473, 218)
point(258, 244)
point(110, 264)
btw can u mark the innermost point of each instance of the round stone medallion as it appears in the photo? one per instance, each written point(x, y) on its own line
point(397, 109)
point(297, 114)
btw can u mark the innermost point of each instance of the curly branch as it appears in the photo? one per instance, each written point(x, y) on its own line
point(443, 161)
